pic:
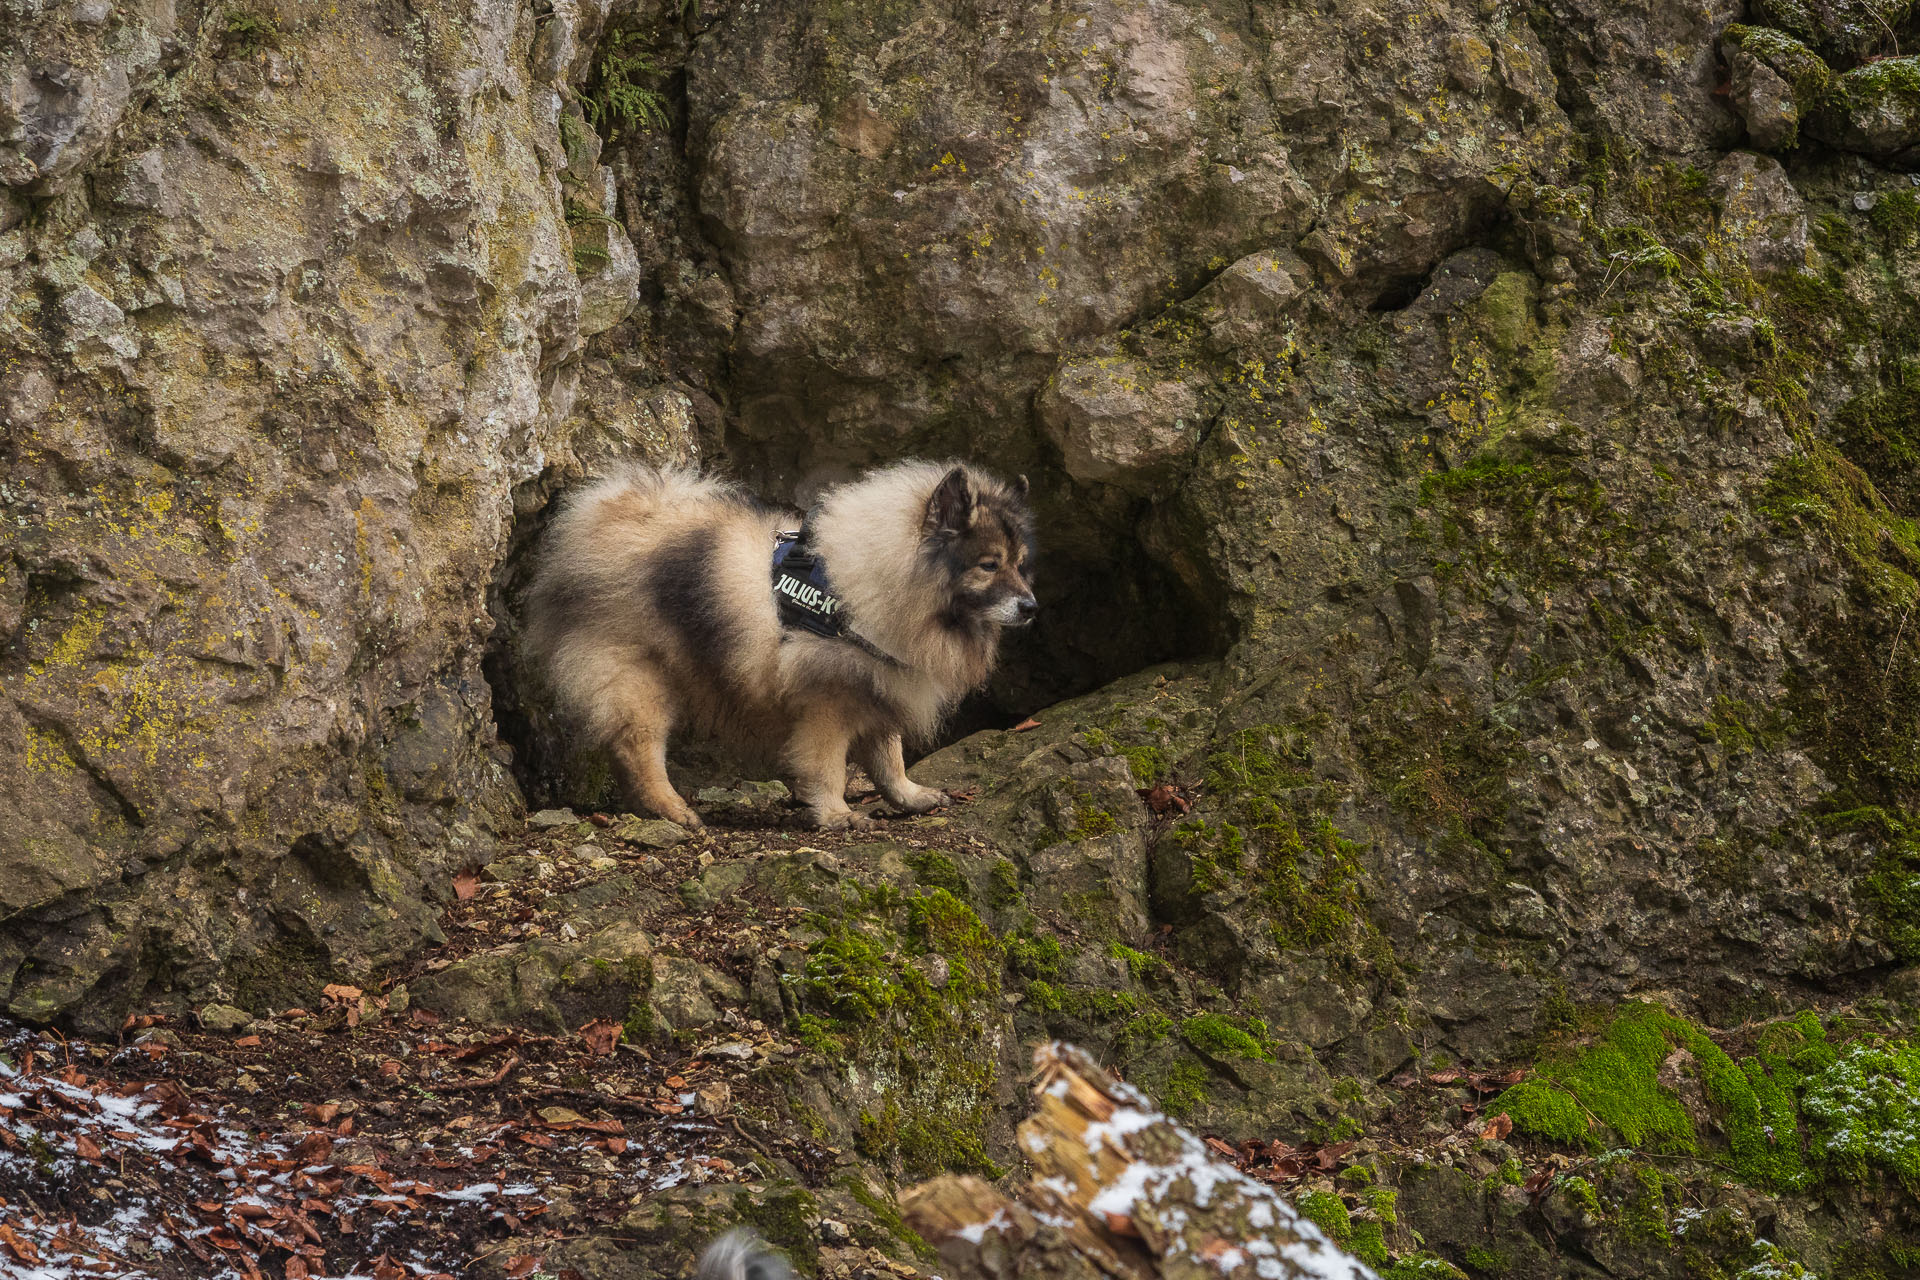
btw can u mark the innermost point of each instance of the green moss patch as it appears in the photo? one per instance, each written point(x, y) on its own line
point(1612, 1088)
point(1327, 1211)
point(1272, 835)
point(1146, 761)
point(1422, 1266)
point(867, 1006)
point(1806, 73)
point(1221, 1037)
point(1507, 512)
point(1864, 1112)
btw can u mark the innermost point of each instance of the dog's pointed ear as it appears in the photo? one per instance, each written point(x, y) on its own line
point(950, 509)
point(1020, 487)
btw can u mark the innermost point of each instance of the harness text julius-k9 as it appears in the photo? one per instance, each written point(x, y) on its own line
point(806, 600)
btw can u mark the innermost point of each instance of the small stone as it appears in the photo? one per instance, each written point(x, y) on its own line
point(568, 933)
point(521, 867)
point(547, 819)
point(139, 183)
point(835, 1232)
point(358, 1151)
point(694, 895)
point(1761, 211)
point(938, 971)
point(651, 833)
point(224, 1018)
point(1117, 424)
point(712, 1098)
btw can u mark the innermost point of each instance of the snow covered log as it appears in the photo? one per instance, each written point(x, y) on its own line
point(1118, 1190)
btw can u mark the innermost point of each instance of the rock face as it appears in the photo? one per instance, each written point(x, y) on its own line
point(287, 309)
point(1500, 415)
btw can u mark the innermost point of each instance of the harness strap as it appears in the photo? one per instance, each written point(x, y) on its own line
point(805, 596)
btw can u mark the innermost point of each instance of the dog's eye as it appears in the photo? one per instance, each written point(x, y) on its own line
point(990, 565)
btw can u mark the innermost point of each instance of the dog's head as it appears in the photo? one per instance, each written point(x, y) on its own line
point(980, 532)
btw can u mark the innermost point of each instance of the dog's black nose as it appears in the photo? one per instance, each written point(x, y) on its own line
point(1028, 606)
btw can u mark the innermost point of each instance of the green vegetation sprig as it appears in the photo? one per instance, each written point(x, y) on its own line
point(620, 101)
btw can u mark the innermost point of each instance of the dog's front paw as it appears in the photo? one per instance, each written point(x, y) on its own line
point(840, 820)
point(919, 799)
point(684, 815)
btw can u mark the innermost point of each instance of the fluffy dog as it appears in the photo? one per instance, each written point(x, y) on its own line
point(653, 610)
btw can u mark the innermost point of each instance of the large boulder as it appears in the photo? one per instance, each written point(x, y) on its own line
point(282, 336)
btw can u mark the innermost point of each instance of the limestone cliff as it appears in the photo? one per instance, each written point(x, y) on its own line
point(1497, 418)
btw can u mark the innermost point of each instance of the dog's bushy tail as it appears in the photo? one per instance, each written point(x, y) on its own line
point(742, 1255)
point(579, 576)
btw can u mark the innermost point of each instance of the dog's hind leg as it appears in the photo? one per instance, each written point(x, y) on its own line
point(641, 754)
point(817, 754)
point(638, 722)
point(886, 764)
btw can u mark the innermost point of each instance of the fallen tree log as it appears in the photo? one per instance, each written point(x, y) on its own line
point(1119, 1192)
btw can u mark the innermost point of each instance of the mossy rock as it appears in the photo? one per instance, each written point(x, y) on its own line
point(546, 985)
point(1654, 1081)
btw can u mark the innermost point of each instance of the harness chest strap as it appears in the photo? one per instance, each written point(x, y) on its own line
point(806, 599)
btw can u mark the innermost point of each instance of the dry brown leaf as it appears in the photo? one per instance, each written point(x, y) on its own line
point(341, 991)
point(1498, 1127)
point(521, 1266)
point(602, 1036)
point(247, 1042)
point(466, 884)
point(315, 1148)
point(1024, 725)
point(18, 1245)
point(1328, 1156)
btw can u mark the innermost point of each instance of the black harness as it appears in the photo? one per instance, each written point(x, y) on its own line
point(805, 597)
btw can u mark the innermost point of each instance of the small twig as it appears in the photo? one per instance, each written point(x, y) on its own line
point(1894, 652)
point(550, 1240)
point(513, 1060)
point(751, 1140)
point(611, 1102)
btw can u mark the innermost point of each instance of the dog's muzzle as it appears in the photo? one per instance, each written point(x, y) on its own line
point(1015, 611)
